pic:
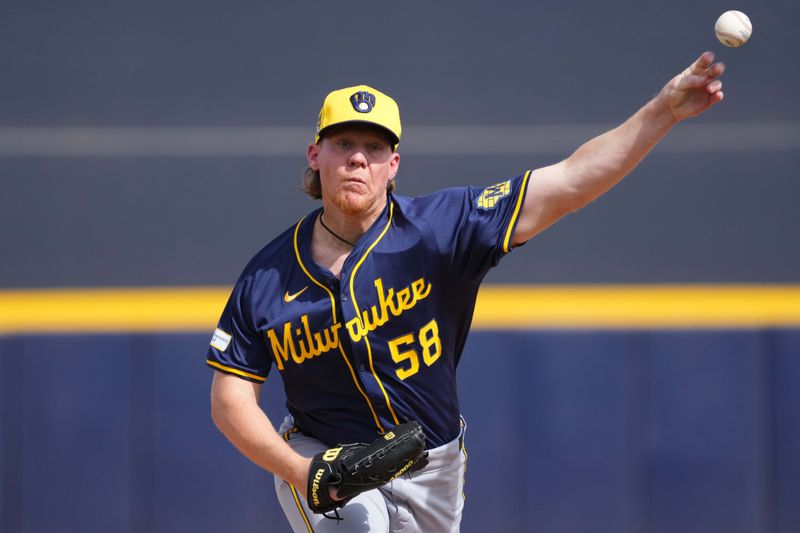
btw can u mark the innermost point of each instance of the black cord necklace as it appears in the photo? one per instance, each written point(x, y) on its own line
point(333, 232)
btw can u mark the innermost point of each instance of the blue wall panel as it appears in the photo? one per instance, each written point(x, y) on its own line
point(706, 432)
point(489, 385)
point(628, 432)
point(786, 420)
point(197, 473)
point(10, 428)
point(75, 398)
point(569, 416)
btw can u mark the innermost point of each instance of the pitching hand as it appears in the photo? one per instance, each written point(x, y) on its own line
point(695, 89)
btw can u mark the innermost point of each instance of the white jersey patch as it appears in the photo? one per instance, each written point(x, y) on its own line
point(220, 340)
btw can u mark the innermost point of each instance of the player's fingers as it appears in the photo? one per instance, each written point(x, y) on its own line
point(691, 81)
point(703, 62)
point(716, 70)
point(715, 98)
point(714, 87)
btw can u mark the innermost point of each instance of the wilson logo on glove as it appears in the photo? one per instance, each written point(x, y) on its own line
point(315, 485)
point(331, 454)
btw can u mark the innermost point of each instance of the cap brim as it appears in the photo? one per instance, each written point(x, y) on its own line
point(395, 140)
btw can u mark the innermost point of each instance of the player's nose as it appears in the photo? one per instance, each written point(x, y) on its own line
point(357, 158)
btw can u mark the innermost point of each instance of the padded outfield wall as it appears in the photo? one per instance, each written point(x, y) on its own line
point(603, 414)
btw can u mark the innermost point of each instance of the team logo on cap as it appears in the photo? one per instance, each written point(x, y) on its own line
point(362, 101)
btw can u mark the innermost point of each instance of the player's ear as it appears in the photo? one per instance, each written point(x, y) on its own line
point(394, 165)
point(312, 155)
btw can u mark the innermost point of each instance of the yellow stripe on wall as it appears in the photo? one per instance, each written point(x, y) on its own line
point(499, 307)
point(639, 307)
point(101, 310)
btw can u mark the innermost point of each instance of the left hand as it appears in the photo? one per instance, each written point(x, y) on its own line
point(339, 474)
point(695, 89)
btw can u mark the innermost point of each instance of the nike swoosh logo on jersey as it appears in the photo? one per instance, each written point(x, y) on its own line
point(289, 297)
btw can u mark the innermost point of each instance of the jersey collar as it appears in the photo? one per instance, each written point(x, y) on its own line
point(362, 244)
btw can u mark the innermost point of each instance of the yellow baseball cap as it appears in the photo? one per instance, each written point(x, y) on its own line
point(360, 104)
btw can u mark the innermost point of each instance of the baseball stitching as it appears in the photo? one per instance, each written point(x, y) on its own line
point(744, 21)
point(738, 40)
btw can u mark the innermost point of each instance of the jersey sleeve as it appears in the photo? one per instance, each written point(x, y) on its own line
point(236, 346)
point(474, 226)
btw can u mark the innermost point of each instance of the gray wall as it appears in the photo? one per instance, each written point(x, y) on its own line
point(717, 202)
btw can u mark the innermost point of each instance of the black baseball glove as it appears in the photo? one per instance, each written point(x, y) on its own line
point(351, 469)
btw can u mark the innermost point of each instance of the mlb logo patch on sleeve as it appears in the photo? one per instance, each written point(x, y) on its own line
point(493, 194)
point(220, 340)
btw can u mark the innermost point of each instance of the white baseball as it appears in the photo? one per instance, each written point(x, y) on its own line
point(733, 28)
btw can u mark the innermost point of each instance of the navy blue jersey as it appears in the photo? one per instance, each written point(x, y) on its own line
point(381, 345)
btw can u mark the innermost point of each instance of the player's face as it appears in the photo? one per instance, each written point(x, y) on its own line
point(355, 165)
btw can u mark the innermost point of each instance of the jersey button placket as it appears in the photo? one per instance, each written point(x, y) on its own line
point(359, 353)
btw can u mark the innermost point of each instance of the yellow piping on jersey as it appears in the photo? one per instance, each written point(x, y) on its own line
point(300, 507)
point(302, 266)
point(235, 371)
point(464, 474)
point(517, 209)
point(333, 313)
point(358, 313)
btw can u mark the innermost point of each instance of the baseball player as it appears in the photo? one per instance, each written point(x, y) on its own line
point(363, 306)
